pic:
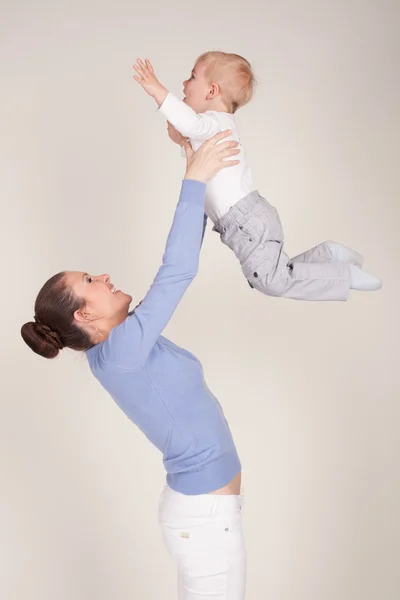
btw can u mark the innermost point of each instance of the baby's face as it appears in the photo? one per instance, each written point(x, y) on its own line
point(196, 89)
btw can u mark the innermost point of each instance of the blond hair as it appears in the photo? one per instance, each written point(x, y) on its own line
point(233, 74)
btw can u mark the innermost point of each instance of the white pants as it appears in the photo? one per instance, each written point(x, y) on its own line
point(204, 536)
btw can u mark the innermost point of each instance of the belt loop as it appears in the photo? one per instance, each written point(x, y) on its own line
point(241, 496)
point(161, 499)
point(214, 507)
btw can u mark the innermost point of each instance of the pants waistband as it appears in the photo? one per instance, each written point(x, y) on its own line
point(238, 211)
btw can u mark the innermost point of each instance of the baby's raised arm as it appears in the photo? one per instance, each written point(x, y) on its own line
point(185, 120)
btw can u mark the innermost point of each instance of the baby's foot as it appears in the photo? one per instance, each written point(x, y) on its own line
point(362, 281)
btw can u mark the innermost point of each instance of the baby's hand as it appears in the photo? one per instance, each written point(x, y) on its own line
point(175, 136)
point(149, 82)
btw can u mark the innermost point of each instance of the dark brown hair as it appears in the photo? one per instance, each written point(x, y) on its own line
point(54, 327)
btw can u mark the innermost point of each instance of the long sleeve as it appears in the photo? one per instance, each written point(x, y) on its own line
point(130, 343)
point(190, 124)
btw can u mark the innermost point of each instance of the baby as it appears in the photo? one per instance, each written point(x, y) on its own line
point(219, 84)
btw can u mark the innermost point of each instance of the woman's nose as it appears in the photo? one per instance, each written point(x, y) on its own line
point(105, 277)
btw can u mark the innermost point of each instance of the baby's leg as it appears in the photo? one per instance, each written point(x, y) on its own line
point(330, 251)
point(253, 231)
point(303, 280)
point(333, 252)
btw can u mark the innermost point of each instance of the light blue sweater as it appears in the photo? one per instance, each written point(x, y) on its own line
point(160, 386)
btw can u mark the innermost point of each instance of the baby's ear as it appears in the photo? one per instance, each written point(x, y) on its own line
point(214, 91)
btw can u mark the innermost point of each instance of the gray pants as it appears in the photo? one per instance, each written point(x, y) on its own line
point(252, 229)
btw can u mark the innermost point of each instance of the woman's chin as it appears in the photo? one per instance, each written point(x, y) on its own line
point(123, 297)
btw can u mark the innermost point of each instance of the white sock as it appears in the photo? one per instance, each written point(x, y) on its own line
point(362, 281)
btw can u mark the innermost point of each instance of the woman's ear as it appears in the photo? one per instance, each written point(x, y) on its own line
point(82, 316)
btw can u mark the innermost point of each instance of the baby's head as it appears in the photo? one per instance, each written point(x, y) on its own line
point(219, 81)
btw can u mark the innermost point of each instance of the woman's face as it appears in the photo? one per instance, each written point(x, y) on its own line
point(102, 299)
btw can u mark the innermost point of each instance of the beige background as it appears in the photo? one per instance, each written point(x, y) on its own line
point(89, 181)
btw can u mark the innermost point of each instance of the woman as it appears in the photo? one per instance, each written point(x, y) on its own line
point(161, 388)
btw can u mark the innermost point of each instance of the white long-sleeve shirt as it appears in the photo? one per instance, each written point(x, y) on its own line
point(229, 185)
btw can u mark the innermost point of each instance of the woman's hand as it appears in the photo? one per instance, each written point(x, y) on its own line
point(209, 159)
point(175, 136)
